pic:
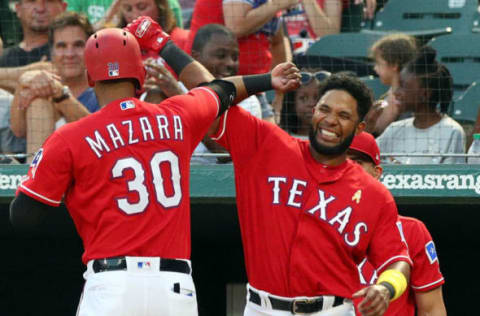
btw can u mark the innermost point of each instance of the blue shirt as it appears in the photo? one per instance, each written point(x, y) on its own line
point(89, 99)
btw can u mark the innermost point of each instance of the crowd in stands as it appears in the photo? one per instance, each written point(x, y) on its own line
point(42, 81)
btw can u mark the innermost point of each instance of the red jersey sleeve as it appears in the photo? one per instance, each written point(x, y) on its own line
point(51, 164)
point(426, 273)
point(241, 133)
point(387, 239)
point(198, 108)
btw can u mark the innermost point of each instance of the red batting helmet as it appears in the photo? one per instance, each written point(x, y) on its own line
point(113, 53)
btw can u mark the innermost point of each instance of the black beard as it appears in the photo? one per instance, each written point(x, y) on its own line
point(326, 150)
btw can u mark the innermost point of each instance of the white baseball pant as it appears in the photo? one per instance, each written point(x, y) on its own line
point(140, 290)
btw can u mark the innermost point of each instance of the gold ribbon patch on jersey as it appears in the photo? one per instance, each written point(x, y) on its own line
point(357, 196)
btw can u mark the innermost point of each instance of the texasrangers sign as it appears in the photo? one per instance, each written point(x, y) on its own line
point(433, 180)
point(217, 181)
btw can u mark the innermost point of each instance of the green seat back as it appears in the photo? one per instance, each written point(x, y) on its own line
point(377, 87)
point(465, 107)
point(354, 46)
point(415, 15)
point(461, 54)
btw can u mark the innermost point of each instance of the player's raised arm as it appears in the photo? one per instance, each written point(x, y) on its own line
point(391, 284)
point(151, 37)
point(284, 77)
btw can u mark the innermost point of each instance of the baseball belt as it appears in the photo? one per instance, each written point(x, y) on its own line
point(298, 306)
point(120, 263)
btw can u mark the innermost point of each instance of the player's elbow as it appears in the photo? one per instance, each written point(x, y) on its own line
point(25, 214)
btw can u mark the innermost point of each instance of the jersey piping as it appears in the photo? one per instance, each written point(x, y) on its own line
point(427, 285)
point(50, 201)
point(224, 123)
point(395, 259)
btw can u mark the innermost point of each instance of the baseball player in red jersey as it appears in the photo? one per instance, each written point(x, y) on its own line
point(425, 291)
point(123, 173)
point(308, 215)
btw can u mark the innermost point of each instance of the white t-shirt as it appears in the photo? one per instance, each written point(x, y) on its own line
point(447, 136)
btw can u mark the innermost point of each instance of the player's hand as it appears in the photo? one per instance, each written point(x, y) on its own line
point(158, 77)
point(148, 33)
point(285, 77)
point(376, 299)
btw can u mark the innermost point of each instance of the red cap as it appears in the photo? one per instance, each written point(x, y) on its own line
point(365, 143)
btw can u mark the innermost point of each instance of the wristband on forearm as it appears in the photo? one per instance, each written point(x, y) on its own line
point(257, 83)
point(394, 281)
point(175, 57)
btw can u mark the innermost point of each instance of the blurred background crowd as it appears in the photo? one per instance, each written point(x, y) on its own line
point(420, 59)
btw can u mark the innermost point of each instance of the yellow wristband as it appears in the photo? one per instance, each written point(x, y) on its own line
point(396, 279)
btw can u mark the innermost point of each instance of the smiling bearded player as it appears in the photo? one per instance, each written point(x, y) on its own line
point(308, 215)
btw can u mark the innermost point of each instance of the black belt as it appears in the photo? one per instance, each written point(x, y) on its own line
point(120, 263)
point(301, 306)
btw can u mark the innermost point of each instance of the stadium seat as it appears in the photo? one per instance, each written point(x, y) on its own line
point(466, 106)
point(353, 46)
point(427, 15)
point(377, 87)
point(345, 52)
point(461, 54)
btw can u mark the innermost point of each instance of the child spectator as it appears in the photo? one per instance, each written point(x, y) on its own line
point(425, 88)
point(390, 53)
point(297, 110)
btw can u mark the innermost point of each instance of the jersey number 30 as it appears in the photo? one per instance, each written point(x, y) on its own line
point(138, 182)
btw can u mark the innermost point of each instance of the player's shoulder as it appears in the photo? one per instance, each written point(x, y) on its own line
point(412, 222)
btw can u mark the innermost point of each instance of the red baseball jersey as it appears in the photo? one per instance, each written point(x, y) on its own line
point(305, 226)
point(124, 174)
point(255, 56)
point(425, 274)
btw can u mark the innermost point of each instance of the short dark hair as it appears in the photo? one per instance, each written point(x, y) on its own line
point(354, 86)
point(206, 32)
point(433, 76)
point(69, 18)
